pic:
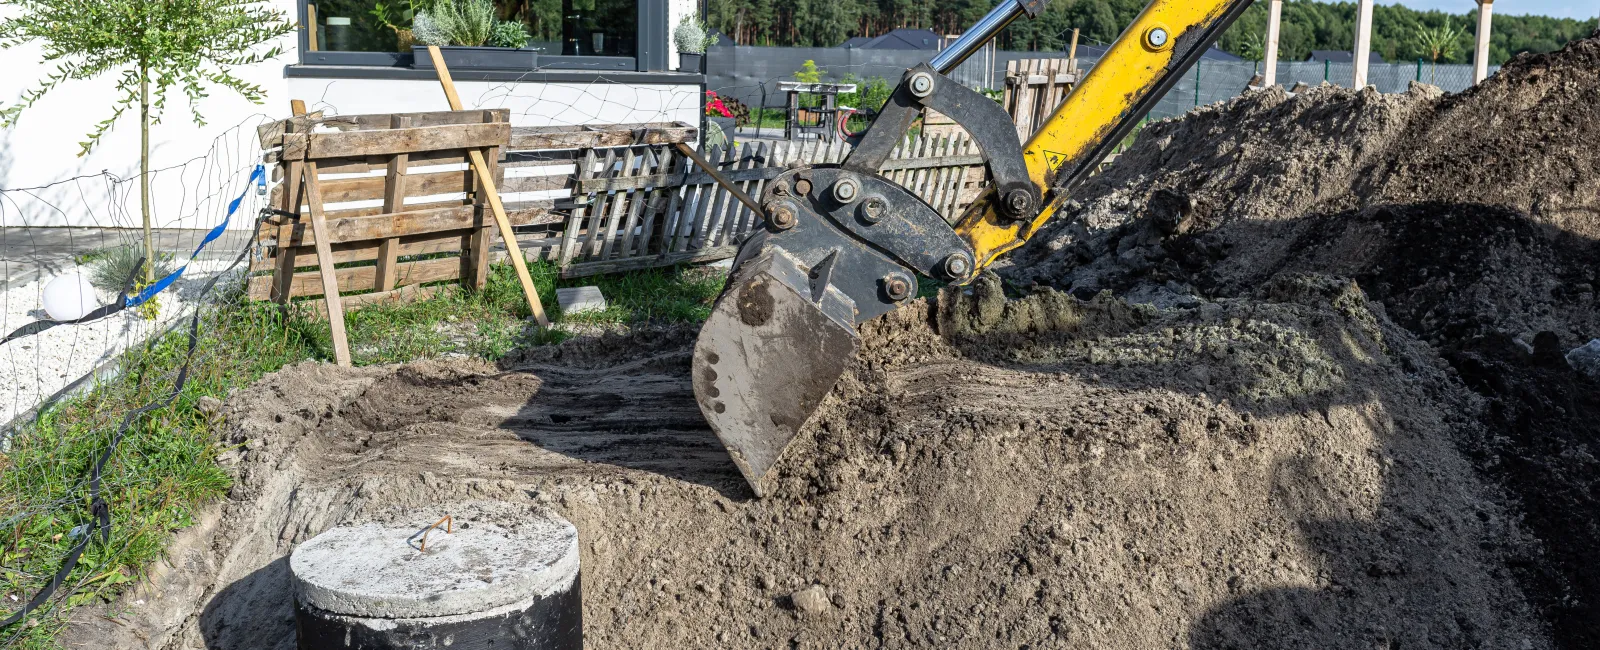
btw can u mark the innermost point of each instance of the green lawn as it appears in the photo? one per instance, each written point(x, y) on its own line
point(166, 468)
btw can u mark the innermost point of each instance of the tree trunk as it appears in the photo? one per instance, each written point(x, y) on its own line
point(144, 173)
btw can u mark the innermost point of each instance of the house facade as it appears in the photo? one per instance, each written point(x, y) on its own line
point(587, 62)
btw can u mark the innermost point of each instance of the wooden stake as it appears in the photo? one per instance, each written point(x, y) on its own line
point(1269, 52)
point(483, 172)
point(311, 29)
point(1363, 47)
point(330, 281)
point(1480, 53)
point(1072, 55)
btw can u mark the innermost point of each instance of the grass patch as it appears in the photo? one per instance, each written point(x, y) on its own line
point(167, 468)
point(164, 470)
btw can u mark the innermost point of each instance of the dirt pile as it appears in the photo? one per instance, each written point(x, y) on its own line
point(1276, 471)
point(1474, 219)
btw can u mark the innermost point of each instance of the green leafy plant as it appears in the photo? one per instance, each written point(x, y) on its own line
point(690, 36)
point(1440, 42)
point(151, 47)
point(399, 20)
point(809, 73)
point(113, 266)
point(870, 95)
point(508, 34)
point(454, 22)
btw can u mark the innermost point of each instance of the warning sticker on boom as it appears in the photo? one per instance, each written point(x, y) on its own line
point(1054, 158)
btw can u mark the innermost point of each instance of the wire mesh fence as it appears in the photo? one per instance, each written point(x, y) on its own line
point(750, 74)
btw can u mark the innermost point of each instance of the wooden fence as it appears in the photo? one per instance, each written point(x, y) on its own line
point(420, 219)
point(1034, 88)
point(589, 199)
point(648, 206)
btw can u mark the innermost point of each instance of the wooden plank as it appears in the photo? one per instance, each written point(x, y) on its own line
point(410, 222)
point(655, 203)
point(683, 232)
point(719, 200)
point(271, 133)
point(293, 185)
point(394, 194)
point(347, 144)
point(598, 205)
point(703, 201)
point(672, 216)
point(739, 212)
point(308, 283)
point(342, 190)
point(447, 241)
point(543, 183)
point(569, 237)
point(365, 164)
point(326, 273)
point(618, 201)
point(940, 175)
point(586, 137)
point(651, 261)
point(475, 263)
point(406, 293)
point(640, 216)
point(748, 219)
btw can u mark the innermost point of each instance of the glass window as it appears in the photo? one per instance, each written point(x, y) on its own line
point(599, 27)
point(554, 27)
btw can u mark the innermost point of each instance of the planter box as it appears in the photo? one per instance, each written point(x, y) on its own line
point(691, 62)
point(477, 58)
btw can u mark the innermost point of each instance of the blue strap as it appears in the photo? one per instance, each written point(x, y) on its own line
point(259, 175)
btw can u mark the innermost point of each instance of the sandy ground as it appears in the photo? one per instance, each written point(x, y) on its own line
point(1051, 473)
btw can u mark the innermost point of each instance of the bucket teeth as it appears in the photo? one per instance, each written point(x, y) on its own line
point(772, 349)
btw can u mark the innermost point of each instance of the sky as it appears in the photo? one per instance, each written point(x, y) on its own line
point(1581, 9)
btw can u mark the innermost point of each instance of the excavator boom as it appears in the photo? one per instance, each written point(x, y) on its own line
point(842, 244)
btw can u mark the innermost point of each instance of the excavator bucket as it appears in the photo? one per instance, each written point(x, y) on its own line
point(777, 340)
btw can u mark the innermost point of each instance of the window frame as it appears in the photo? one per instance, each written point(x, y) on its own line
point(650, 50)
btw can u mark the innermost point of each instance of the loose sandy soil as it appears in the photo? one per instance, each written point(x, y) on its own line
point(1325, 408)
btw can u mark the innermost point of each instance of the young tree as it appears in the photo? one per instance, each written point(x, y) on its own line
point(152, 46)
point(1439, 43)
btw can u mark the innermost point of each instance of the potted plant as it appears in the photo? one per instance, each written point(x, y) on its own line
point(469, 36)
point(692, 41)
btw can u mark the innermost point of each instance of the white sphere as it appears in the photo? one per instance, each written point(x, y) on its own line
point(69, 297)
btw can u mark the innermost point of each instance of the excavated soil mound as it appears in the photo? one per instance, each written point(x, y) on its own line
point(1275, 471)
point(1473, 218)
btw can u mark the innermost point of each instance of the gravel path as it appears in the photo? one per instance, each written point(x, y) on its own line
point(33, 368)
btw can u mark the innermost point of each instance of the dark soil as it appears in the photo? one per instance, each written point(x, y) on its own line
point(1474, 219)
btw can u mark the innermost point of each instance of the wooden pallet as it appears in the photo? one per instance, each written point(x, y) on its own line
point(422, 219)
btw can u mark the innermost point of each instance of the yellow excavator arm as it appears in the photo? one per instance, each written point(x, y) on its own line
point(841, 244)
point(1163, 42)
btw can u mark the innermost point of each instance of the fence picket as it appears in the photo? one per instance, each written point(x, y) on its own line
point(601, 249)
point(710, 200)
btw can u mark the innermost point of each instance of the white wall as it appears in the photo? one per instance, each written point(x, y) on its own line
point(202, 167)
point(43, 147)
point(531, 104)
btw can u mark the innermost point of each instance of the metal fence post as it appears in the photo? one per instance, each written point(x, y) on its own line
point(1327, 66)
point(1196, 83)
point(1419, 69)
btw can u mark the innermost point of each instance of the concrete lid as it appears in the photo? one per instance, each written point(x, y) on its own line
point(375, 570)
